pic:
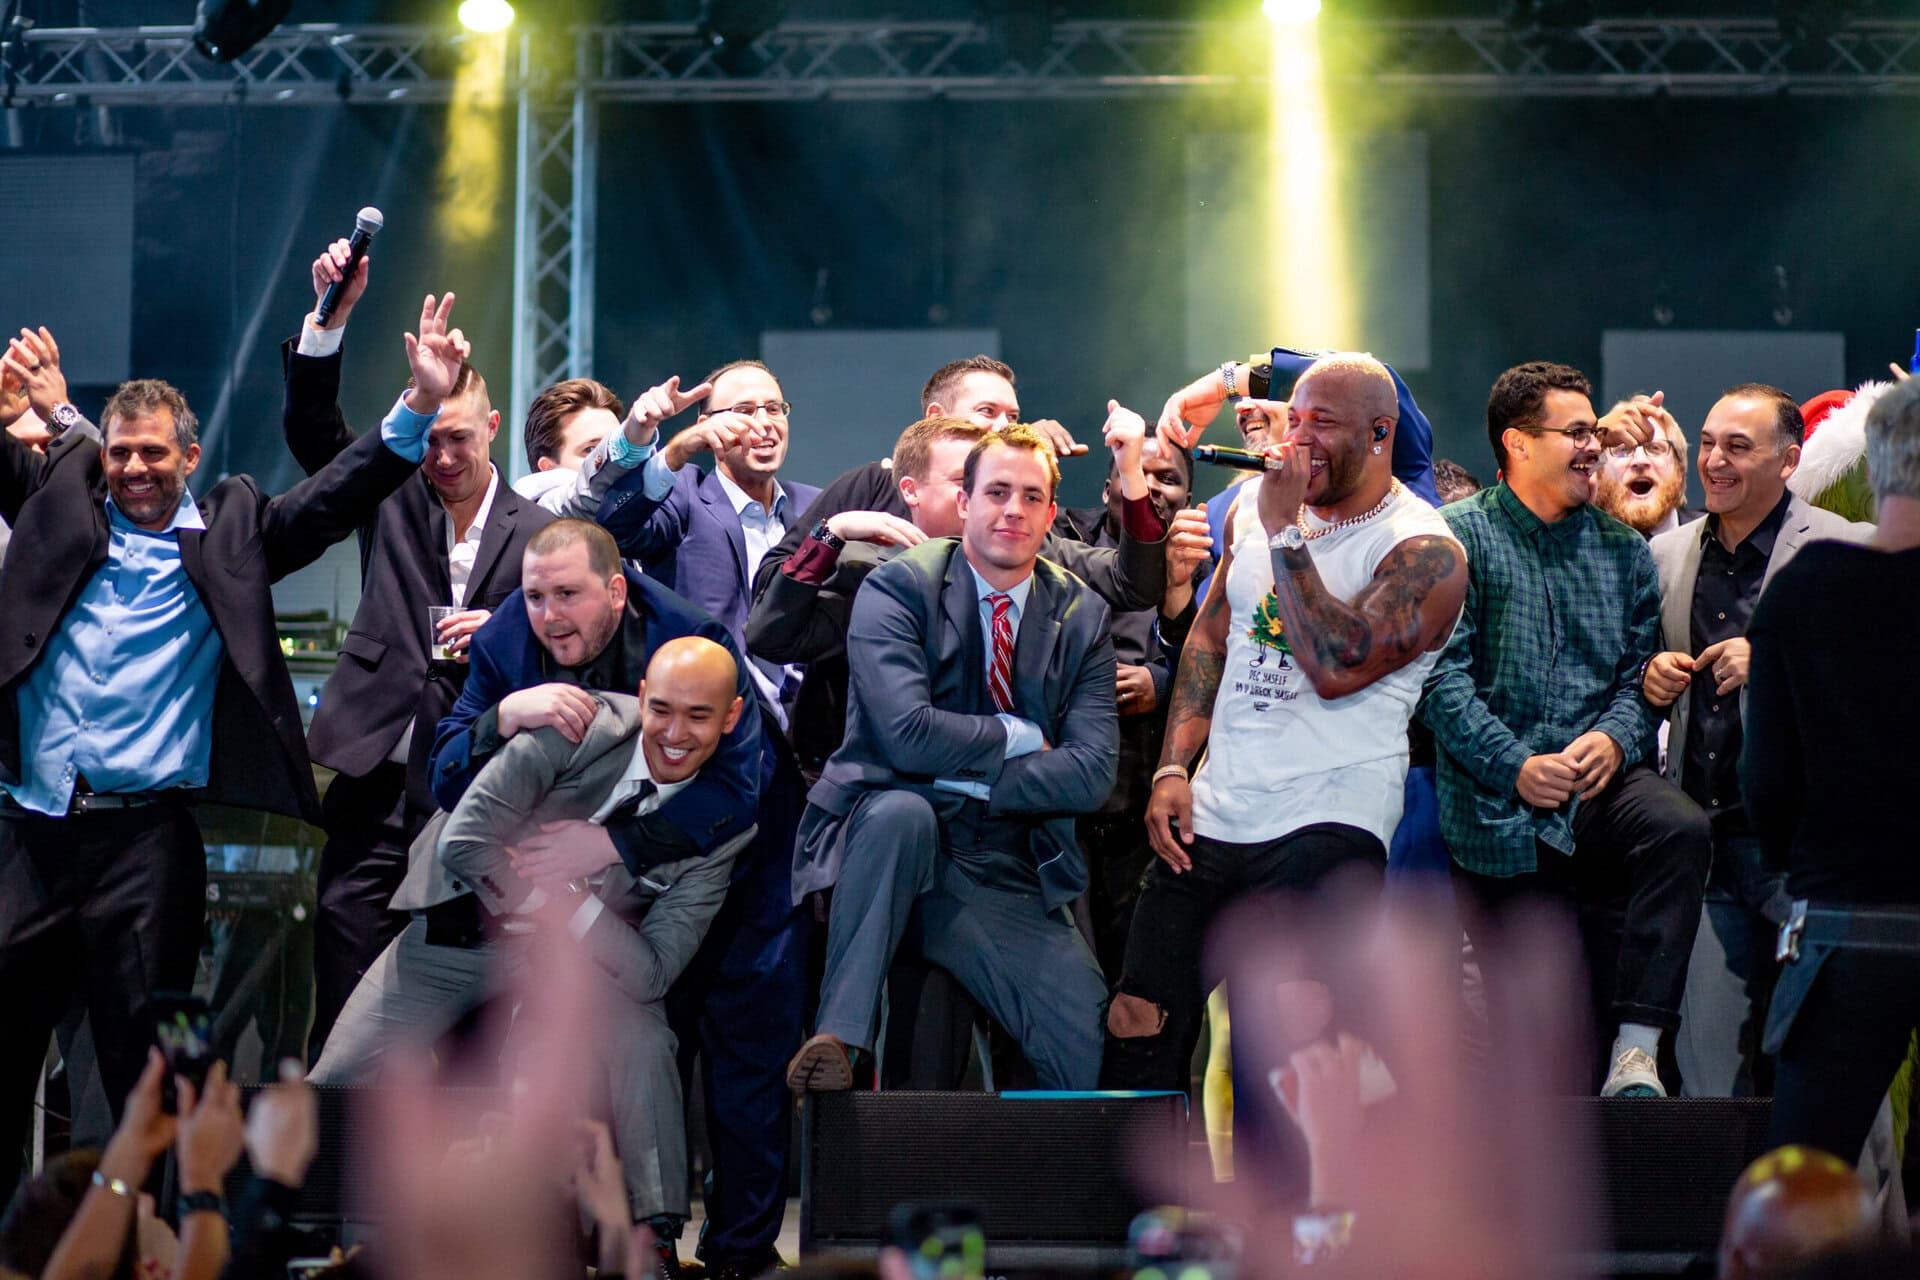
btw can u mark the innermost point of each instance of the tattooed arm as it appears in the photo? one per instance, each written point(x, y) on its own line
point(1408, 609)
point(1190, 718)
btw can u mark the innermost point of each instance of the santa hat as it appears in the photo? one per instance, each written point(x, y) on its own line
point(1833, 462)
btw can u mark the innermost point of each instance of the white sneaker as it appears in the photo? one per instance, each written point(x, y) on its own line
point(1634, 1075)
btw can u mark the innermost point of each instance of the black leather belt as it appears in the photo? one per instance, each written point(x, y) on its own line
point(1894, 930)
point(89, 802)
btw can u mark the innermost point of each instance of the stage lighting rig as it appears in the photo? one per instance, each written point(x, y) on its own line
point(729, 28)
point(225, 29)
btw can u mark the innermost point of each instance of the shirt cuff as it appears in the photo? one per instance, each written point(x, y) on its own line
point(977, 790)
point(319, 342)
point(1023, 736)
point(583, 917)
point(657, 481)
point(624, 453)
point(405, 431)
point(1140, 520)
point(812, 563)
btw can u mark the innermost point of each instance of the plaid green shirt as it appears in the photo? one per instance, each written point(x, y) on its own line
point(1559, 620)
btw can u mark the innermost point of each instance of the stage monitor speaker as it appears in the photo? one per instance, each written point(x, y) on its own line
point(1049, 1173)
point(1669, 1165)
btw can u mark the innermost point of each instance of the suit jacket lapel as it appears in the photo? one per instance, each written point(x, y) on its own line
point(437, 540)
point(1793, 532)
point(1033, 647)
point(960, 600)
point(1677, 609)
point(493, 541)
point(714, 495)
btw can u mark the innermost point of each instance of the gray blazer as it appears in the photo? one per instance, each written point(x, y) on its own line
point(651, 925)
point(1676, 558)
point(917, 656)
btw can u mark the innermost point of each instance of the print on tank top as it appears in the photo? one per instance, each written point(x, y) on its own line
point(1269, 677)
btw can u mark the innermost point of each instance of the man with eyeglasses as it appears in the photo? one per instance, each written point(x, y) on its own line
point(1542, 735)
point(740, 1003)
point(1644, 485)
point(1711, 577)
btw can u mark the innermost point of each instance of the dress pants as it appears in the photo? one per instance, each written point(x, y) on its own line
point(1730, 979)
point(110, 906)
point(1847, 1041)
point(416, 991)
point(1028, 967)
point(740, 1007)
point(370, 826)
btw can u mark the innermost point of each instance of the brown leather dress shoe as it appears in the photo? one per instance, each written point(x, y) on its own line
point(821, 1066)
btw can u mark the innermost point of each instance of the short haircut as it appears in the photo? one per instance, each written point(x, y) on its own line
point(913, 451)
point(603, 554)
point(1453, 481)
point(144, 397)
point(1017, 436)
point(946, 379)
point(468, 382)
point(1365, 365)
point(1788, 426)
point(548, 414)
point(1519, 398)
point(706, 406)
point(1893, 443)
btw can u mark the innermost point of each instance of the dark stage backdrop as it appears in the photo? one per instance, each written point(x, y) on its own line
point(1062, 225)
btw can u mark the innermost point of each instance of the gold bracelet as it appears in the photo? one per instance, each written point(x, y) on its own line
point(1167, 771)
point(114, 1185)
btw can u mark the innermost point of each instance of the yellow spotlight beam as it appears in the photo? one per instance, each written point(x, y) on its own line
point(472, 175)
point(1307, 277)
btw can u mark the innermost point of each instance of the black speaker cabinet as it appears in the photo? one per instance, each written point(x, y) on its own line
point(1047, 1172)
point(1668, 1165)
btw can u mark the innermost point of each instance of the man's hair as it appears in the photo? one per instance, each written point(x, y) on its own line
point(42, 1209)
point(468, 382)
point(1788, 426)
point(548, 414)
point(603, 553)
point(144, 397)
point(1519, 398)
point(1017, 436)
point(1453, 481)
point(946, 379)
point(913, 451)
point(1893, 443)
point(1365, 365)
point(706, 406)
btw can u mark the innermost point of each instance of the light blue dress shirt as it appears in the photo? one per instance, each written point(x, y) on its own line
point(760, 531)
point(124, 692)
point(1023, 736)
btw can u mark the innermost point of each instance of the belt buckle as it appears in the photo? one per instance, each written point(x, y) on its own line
point(1787, 948)
point(82, 802)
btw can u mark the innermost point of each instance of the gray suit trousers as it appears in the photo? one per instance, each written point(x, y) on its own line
point(1029, 968)
point(415, 992)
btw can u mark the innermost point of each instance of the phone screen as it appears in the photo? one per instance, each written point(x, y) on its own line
point(942, 1242)
point(184, 1031)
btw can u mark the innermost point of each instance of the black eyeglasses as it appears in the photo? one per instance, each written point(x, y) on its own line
point(1581, 436)
point(776, 409)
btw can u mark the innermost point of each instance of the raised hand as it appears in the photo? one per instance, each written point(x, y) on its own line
point(33, 362)
point(656, 404)
point(1125, 434)
point(1282, 493)
point(715, 435)
point(1058, 438)
point(212, 1133)
point(1188, 544)
point(1191, 408)
point(13, 402)
point(327, 272)
point(1634, 421)
point(435, 356)
point(283, 1128)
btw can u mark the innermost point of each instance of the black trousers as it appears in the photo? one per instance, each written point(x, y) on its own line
point(1638, 871)
point(108, 906)
point(1170, 924)
point(1118, 857)
point(1846, 1043)
point(369, 826)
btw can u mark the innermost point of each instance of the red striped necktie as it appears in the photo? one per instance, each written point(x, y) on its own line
point(1000, 677)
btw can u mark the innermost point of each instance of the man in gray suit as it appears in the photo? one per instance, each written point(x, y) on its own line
point(640, 926)
point(980, 722)
point(1711, 575)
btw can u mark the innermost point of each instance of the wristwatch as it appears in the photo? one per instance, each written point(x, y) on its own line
point(822, 534)
point(1226, 378)
point(65, 417)
point(1288, 539)
point(202, 1202)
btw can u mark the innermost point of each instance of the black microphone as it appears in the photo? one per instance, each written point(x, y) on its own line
point(1241, 459)
point(365, 225)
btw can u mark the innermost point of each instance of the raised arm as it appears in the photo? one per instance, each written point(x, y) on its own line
point(310, 416)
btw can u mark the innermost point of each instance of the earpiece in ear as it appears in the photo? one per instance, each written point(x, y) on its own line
point(1379, 432)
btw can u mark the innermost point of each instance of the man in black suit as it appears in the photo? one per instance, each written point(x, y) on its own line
point(140, 670)
point(981, 721)
point(451, 537)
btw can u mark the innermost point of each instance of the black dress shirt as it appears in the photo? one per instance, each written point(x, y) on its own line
point(1723, 599)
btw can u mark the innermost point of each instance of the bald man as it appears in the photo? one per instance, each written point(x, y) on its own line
point(1337, 589)
point(1792, 1206)
point(641, 924)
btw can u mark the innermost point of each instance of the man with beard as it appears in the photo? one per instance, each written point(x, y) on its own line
point(1711, 577)
point(1644, 485)
point(1337, 589)
point(1542, 734)
point(143, 672)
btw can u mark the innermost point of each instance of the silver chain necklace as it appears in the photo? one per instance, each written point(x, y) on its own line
point(1393, 490)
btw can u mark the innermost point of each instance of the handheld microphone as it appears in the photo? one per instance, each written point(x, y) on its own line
point(365, 225)
point(1240, 459)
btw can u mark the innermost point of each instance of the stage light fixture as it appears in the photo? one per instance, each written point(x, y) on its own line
point(729, 26)
point(1289, 12)
point(486, 16)
point(225, 29)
